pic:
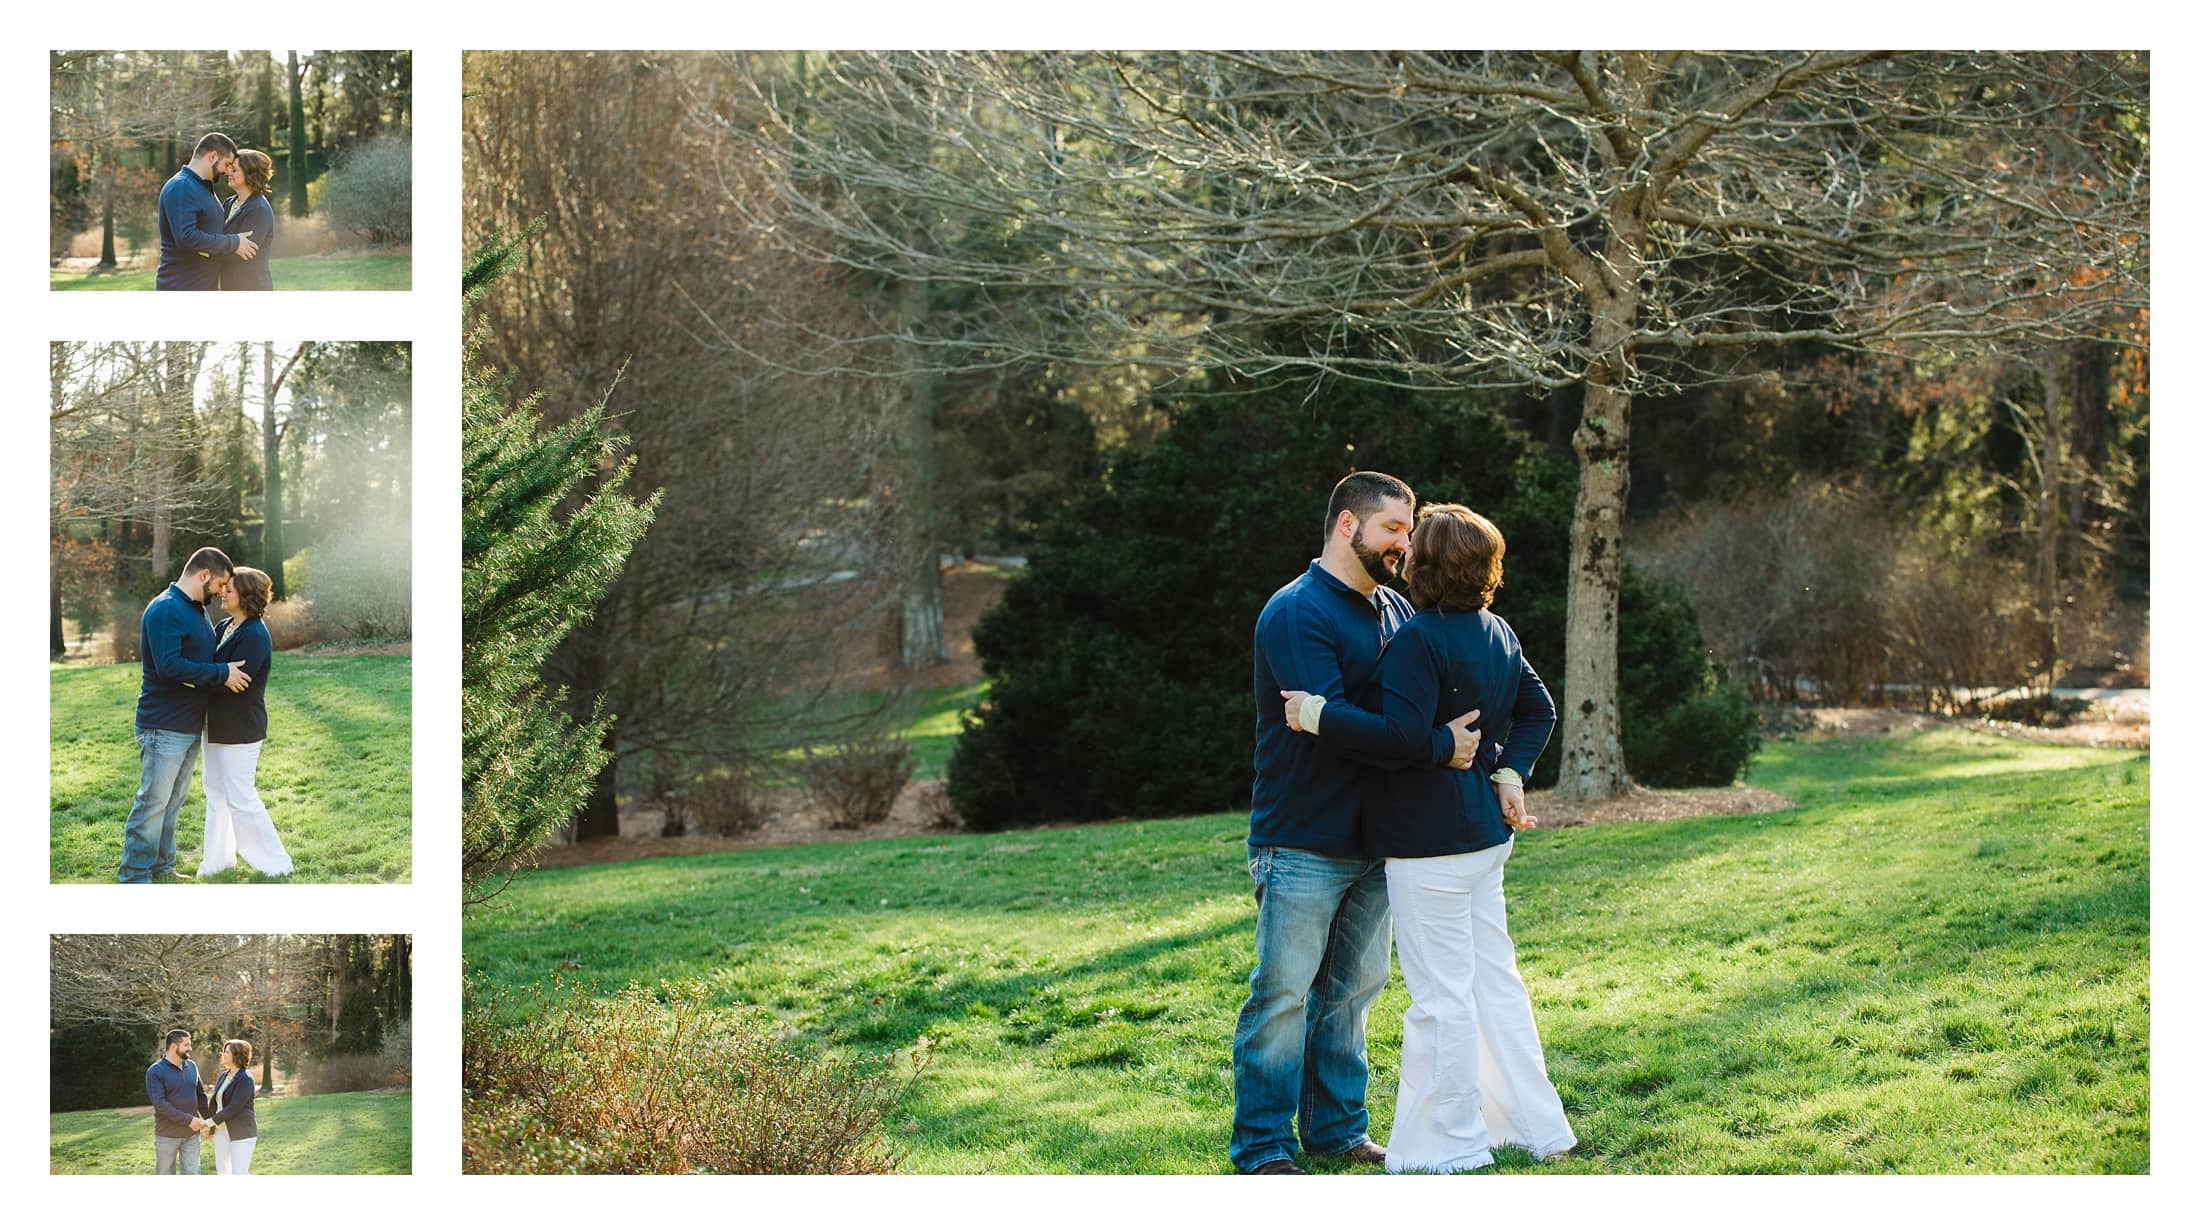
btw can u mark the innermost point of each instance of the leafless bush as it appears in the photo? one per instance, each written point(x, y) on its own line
point(397, 1053)
point(857, 779)
point(292, 624)
point(699, 1090)
point(1961, 625)
point(727, 805)
point(935, 807)
point(348, 1073)
point(1786, 585)
point(370, 192)
point(360, 581)
point(312, 235)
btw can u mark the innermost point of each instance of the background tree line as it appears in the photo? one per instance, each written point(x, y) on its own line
point(1779, 319)
point(324, 1013)
point(338, 125)
point(294, 458)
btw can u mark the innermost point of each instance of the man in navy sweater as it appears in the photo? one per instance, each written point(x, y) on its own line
point(176, 655)
point(1322, 939)
point(173, 1085)
point(191, 220)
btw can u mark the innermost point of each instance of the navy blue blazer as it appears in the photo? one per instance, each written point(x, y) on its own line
point(1438, 667)
point(241, 718)
point(238, 1113)
point(257, 217)
point(191, 221)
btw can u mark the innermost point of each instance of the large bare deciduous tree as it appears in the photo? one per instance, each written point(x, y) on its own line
point(1631, 224)
point(733, 623)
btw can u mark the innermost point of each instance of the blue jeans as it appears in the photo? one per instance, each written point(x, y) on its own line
point(164, 779)
point(176, 1154)
point(1322, 954)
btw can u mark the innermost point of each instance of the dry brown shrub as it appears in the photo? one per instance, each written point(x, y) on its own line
point(726, 805)
point(856, 779)
point(1961, 626)
point(1786, 587)
point(634, 1085)
point(291, 624)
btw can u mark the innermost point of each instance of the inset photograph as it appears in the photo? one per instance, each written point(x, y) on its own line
point(231, 611)
point(234, 1055)
point(231, 170)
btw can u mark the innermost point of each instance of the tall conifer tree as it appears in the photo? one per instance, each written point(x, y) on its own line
point(546, 528)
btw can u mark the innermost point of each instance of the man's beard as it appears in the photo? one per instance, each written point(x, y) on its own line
point(1378, 564)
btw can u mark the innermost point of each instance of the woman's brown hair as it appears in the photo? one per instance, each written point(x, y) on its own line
point(259, 170)
point(240, 1052)
point(253, 589)
point(1458, 559)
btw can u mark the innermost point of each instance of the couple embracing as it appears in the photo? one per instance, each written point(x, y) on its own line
point(186, 1110)
point(207, 242)
point(1391, 748)
point(203, 686)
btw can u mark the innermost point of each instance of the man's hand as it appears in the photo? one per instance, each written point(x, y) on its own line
point(246, 248)
point(1293, 701)
point(239, 679)
point(1464, 743)
point(1513, 801)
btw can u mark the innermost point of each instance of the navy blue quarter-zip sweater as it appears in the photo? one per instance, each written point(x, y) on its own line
point(190, 233)
point(1320, 635)
point(176, 653)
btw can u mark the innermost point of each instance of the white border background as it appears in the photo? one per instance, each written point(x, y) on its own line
point(429, 317)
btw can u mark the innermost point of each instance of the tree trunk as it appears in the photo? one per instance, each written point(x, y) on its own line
point(297, 141)
point(107, 261)
point(1592, 766)
point(60, 643)
point(271, 458)
point(923, 628)
point(599, 817)
point(165, 449)
point(2050, 510)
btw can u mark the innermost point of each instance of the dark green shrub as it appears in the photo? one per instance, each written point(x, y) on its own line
point(99, 1064)
point(1706, 741)
point(1121, 658)
point(630, 1084)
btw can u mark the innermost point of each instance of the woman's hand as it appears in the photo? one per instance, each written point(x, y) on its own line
point(1512, 799)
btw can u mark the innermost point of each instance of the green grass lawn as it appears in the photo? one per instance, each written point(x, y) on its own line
point(335, 270)
point(334, 1133)
point(336, 773)
point(1936, 962)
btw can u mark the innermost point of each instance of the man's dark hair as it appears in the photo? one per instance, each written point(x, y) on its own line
point(175, 1036)
point(1363, 493)
point(216, 142)
point(209, 558)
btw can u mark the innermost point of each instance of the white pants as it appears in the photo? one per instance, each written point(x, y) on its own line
point(232, 1156)
point(236, 822)
point(1470, 1071)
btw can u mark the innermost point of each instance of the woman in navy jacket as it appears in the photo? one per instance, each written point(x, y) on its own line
point(1471, 1071)
point(229, 1108)
point(237, 823)
point(249, 212)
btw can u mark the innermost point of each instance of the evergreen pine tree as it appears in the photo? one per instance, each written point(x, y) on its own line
point(544, 533)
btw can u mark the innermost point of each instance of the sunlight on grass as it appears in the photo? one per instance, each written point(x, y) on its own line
point(335, 271)
point(1937, 962)
point(336, 774)
point(332, 1133)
